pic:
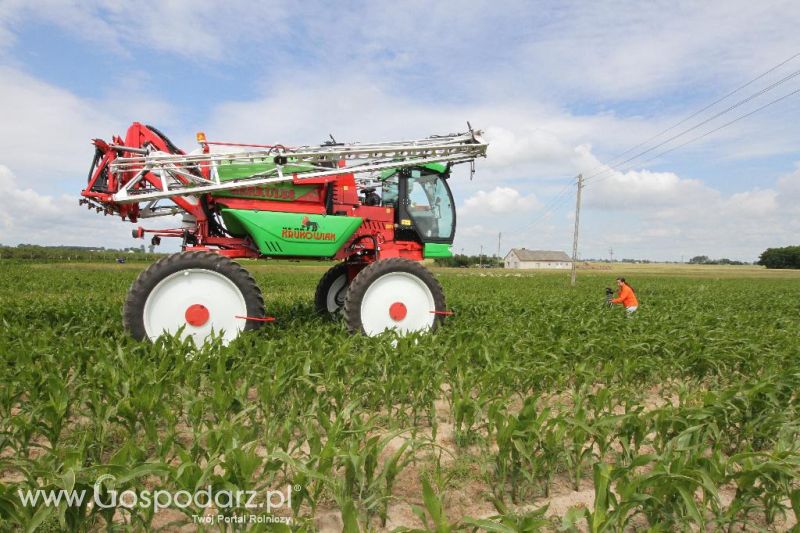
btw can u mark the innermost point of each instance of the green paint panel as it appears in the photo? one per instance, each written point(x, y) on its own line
point(233, 171)
point(433, 249)
point(233, 225)
point(281, 192)
point(293, 234)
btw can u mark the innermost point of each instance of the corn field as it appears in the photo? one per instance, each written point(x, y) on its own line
point(534, 408)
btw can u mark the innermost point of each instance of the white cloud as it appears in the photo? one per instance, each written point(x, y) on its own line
point(737, 226)
point(610, 189)
point(47, 130)
point(500, 201)
point(556, 51)
point(535, 144)
point(7, 21)
point(201, 31)
point(638, 49)
point(526, 141)
point(755, 202)
point(47, 142)
point(644, 190)
point(789, 187)
point(474, 231)
point(27, 216)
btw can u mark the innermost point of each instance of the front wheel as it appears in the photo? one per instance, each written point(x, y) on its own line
point(397, 294)
point(202, 292)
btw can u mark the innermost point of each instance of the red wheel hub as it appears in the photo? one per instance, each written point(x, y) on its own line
point(398, 311)
point(197, 315)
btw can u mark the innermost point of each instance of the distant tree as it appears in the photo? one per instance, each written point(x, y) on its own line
point(786, 257)
point(461, 260)
point(705, 260)
point(726, 261)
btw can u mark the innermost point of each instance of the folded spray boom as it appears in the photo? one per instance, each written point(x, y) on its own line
point(377, 208)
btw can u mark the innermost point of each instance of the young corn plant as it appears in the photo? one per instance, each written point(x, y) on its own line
point(602, 515)
point(763, 482)
point(522, 458)
point(432, 514)
point(580, 431)
point(366, 479)
point(508, 521)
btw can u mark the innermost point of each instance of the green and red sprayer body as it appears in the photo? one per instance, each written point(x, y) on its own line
point(359, 204)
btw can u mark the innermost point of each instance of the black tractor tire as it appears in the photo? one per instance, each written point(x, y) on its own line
point(373, 272)
point(133, 310)
point(324, 287)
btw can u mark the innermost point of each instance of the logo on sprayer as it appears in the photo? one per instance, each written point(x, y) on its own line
point(308, 231)
point(267, 192)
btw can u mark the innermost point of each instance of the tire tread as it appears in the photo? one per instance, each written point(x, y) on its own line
point(359, 285)
point(321, 292)
point(133, 309)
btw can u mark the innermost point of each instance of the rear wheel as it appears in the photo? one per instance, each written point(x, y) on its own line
point(331, 291)
point(397, 294)
point(201, 292)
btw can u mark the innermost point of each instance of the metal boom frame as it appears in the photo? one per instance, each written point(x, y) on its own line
point(192, 174)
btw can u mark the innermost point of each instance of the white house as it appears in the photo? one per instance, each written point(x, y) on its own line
point(537, 259)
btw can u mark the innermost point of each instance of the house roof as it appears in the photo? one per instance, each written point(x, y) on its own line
point(539, 255)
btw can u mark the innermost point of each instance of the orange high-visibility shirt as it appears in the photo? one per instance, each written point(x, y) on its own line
point(626, 297)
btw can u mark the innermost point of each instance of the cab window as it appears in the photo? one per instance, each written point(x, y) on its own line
point(430, 205)
point(390, 192)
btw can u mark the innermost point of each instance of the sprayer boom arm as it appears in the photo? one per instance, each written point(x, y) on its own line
point(192, 174)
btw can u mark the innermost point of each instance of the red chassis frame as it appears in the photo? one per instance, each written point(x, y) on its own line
point(374, 239)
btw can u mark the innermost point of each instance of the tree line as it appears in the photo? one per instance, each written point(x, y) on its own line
point(461, 260)
point(705, 260)
point(786, 257)
point(33, 252)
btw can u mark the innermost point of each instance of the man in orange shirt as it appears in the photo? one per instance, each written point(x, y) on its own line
point(626, 296)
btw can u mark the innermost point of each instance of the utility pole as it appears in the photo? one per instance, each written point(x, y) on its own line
point(499, 236)
point(577, 225)
point(611, 254)
point(480, 258)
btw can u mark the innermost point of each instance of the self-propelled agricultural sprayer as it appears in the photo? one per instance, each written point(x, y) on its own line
point(377, 208)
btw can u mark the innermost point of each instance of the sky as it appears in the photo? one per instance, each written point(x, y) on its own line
point(559, 88)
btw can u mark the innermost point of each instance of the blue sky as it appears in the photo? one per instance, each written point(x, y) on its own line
point(559, 87)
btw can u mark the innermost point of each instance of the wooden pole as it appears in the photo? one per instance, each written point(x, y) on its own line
point(577, 225)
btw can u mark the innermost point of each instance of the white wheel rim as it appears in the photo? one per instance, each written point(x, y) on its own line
point(397, 289)
point(335, 288)
point(165, 310)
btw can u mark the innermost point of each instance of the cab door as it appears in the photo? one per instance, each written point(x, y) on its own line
point(426, 206)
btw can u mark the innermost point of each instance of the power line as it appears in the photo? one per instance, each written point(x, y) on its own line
point(698, 125)
point(563, 191)
point(560, 198)
point(709, 106)
point(706, 134)
point(552, 202)
point(555, 202)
